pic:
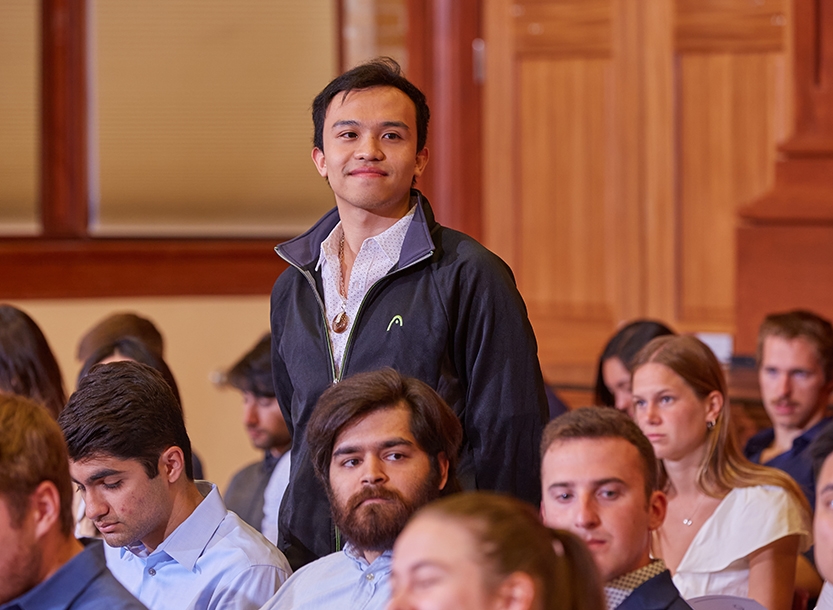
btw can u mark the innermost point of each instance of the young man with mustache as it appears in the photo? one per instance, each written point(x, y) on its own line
point(383, 445)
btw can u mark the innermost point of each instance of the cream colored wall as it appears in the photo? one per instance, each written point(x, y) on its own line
point(202, 335)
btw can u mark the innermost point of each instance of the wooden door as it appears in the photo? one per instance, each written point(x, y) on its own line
point(620, 136)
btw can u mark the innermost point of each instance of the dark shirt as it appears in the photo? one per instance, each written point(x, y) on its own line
point(245, 491)
point(796, 462)
point(84, 582)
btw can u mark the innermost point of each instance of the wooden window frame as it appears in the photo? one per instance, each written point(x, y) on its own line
point(65, 261)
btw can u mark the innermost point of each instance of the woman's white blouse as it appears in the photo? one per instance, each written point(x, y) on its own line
point(748, 518)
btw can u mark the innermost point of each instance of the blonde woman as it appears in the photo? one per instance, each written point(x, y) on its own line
point(732, 527)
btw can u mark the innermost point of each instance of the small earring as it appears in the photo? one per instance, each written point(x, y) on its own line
point(709, 425)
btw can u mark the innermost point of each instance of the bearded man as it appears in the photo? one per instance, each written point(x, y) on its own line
point(383, 445)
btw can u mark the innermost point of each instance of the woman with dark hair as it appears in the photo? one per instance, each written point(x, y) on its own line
point(613, 374)
point(732, 527)
point(27, 365)
point(478, 550)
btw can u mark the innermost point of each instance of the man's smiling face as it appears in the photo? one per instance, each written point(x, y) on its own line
point(370, 152)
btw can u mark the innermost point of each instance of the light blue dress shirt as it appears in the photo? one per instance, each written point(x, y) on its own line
point(212, 560)
point(341, 580)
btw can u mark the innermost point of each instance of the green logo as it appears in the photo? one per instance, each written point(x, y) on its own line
point(395, 319)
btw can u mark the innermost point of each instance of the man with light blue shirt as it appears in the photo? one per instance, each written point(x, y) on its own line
point(383, 445)
point(172, 543)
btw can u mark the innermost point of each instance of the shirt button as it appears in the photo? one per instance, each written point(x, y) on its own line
point(370, 577)
point(151, 571)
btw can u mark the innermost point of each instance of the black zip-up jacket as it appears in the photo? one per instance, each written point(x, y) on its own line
point(447, 313)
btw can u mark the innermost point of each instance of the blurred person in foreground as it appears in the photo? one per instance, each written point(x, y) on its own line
point(42, 565)
point(478, 550)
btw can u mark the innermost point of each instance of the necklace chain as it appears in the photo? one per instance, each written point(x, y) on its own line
point(341, 320)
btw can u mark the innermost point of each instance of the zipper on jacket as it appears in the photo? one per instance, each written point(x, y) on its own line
point(361, 306)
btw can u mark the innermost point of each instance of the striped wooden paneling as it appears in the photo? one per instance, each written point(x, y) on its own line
point(734, 26)
point(562, 27)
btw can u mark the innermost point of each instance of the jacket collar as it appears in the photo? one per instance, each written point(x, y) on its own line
point(303, 251)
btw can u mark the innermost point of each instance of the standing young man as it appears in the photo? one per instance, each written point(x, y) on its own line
point(377, 282)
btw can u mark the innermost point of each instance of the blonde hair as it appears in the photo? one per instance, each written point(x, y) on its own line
point(724, 467)
point(510, 538)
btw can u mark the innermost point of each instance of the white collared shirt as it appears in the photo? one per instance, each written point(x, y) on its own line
point(377, 255)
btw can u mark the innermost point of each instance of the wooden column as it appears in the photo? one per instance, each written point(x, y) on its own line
point(440, 37)
point(63, 119)
point(785, 239)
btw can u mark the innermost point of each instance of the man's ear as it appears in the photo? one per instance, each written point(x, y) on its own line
point(320, 161)
point(516, 592)
point(172, 464)
point(45, 507)
point(657, 506)
point(421, 162)
point(442, 465)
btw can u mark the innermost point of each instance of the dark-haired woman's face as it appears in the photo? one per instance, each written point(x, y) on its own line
point(617, 379)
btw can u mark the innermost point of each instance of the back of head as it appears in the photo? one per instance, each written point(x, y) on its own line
point(253, 372)
point(510, 538)
point(32, 451)
point(800, 323)
point(128, 411)
point(624, 345)
point(119, 325)
point(433, 424)
point(130, 348)
point(820, 449)
point(27, 365)
point(598, 423)
point(380, 72)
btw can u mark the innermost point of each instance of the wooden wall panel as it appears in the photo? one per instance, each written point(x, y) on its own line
point(727, 107)
point(565, 127)
point(621, 136)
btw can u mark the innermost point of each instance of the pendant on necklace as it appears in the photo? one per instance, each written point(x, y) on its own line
point(687, 521)
point(340, 322)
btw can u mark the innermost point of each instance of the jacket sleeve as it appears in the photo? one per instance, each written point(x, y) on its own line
point(280, 377)
point(497, 355)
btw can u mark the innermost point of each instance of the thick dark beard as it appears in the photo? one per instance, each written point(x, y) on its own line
point(374, 527)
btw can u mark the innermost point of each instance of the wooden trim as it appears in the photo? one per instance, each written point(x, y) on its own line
point(441, 63)
point(63, 118)
point(72, 268)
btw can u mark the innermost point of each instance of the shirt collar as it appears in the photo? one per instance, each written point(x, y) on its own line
point(382, 561)
point(392, 247)
point(188, 541)
point(618, 589)
point(809, 435)
point(67, 582)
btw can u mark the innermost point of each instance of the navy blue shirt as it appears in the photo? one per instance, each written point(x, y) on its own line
point(84, 582)
point(796, 462)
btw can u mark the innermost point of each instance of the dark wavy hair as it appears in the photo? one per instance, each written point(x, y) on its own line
point(27, 365)
point(433, 424)
point(253, 372)
point(380, 72)
point(625, 344)
point(126, 410)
